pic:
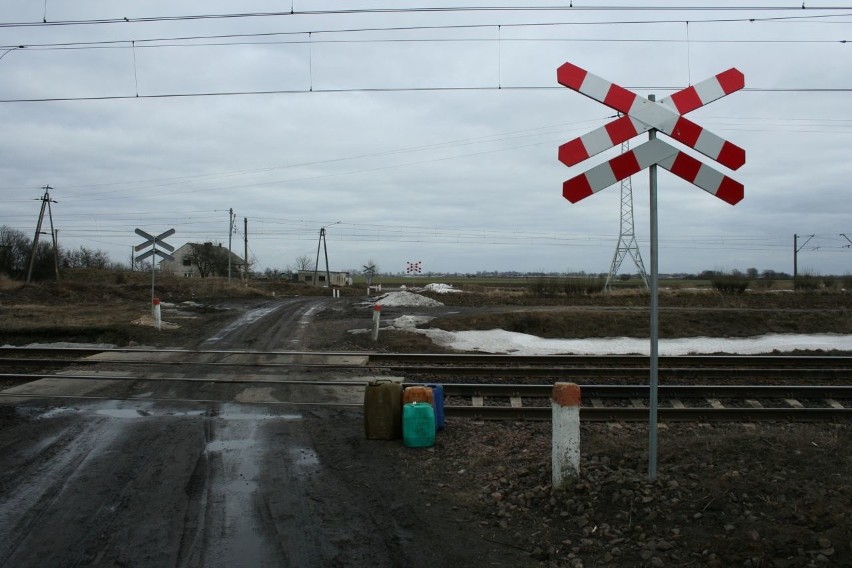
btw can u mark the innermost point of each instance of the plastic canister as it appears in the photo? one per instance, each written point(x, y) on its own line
point(383, 410)
point(438, 404)
point(418, 425)
point(418, 393)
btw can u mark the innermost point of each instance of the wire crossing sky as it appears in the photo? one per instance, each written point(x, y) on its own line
point(425, 131)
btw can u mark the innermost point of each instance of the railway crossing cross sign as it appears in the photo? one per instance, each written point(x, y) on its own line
point(154, 242)
point(643, 115)
point(638, 114)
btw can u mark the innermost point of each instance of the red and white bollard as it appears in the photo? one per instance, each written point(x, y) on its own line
point(377, 315)
point(155, 304)
point(565, 403)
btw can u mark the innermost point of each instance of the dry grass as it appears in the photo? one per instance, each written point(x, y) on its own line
point(673, 323)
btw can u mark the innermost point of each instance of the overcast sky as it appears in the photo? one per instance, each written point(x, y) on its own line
point(425, 136)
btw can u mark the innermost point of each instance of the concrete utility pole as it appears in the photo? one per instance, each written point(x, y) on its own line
point(45, 203)
point(230, 234)
point(245, 257)
point(322, 242)
point(796, 249)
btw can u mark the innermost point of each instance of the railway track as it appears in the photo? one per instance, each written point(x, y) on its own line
point(446, 367)
point(601, 402)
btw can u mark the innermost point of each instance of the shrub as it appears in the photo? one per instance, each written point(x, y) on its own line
point(583, 286)
point(730, 284)
point(806, 282)
point(544, 287)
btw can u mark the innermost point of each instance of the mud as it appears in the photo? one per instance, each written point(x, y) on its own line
point(284, 483)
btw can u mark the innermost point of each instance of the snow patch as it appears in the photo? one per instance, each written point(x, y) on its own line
point(407, 300)
point(439, 288)
point(66, 345)
point(410, 322)
point(502, 341)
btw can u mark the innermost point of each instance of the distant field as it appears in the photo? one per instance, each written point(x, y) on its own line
point(474, 282)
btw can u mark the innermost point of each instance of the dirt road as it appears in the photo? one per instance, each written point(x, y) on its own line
point(141, 483)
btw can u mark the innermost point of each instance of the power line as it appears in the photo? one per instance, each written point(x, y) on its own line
point(395, 90)
point(427, 10)
point(129, 44)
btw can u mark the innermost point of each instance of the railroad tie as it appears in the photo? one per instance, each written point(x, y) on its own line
point(515, 402)
point(753, 403)
point(834, 404)
point(715, 403)
point(477, 401)
point(677, 403)
point(794, 403)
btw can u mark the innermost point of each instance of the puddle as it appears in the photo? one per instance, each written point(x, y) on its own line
point(236, 536)
point(227, 445)
point(122, 412)
point(119, 413)
point(257, 416)
point(54, 412)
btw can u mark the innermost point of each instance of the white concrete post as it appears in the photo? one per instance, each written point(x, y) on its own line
point(377, 315)
point(565, 403)
point(157, 314)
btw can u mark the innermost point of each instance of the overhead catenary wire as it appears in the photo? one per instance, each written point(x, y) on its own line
point(433, 89)
point(161, 43)
point(432, 10)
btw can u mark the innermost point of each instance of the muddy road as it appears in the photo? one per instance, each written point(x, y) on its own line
point(277, 476)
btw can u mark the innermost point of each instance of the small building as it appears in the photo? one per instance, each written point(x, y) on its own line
point(213, 259)
point(337, 278)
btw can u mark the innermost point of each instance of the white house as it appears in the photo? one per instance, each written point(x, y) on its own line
point(214, 259)
point(337, 278)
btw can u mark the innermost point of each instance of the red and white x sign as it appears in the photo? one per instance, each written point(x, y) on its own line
point(642, 115)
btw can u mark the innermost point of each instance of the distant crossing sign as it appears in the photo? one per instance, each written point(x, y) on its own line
point(152, 241)
point(413, 267)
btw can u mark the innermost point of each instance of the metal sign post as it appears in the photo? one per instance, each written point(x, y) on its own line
point(647, 115)
point(653, 380)
point(152, 241)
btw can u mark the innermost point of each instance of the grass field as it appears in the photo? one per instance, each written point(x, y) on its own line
point(103, 306)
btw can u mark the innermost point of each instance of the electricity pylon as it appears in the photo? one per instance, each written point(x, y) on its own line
point(627, 236)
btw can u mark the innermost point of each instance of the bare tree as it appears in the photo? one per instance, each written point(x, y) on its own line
point(374, 264)
point(304, 262)
point(370, 270)
point(272, 274)
point(210, 260)
point(15, 248)
point(85, 258)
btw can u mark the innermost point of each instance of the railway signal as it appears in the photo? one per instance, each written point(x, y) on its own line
point(640, 114)
point(414, 267)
